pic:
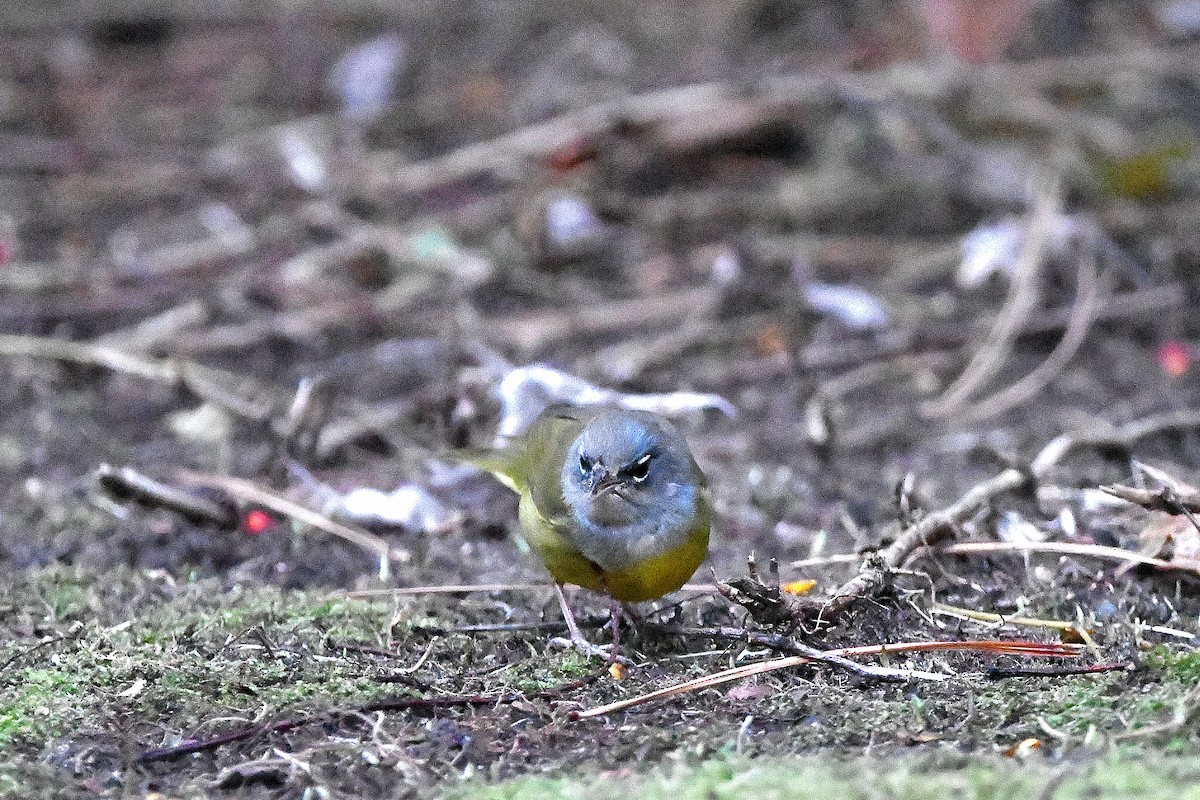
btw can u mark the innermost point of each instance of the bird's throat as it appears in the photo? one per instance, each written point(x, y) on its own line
point(609, 509)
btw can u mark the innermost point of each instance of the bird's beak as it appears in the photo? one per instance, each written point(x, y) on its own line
point(604, 484)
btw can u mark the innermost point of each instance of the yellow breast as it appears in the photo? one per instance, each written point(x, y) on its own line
point(646, 580)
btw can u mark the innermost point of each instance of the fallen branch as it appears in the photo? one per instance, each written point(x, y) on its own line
point(1067, 548)
point(191, 746)
point(783, 644)
point(1024, 648)
point(1022, 299)
point(239, 395)
point(876, 570)
point(248, 492)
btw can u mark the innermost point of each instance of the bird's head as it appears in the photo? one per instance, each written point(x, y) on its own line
point(626, 468)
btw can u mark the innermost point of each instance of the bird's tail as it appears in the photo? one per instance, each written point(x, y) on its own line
point(497, 462)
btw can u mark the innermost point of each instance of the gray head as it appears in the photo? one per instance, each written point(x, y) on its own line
point(629, 469)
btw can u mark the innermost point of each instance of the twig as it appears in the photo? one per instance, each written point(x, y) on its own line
point(125, 483)
point(726, 676)
point(509, 153)
point(1003, 619)
point(248, 492)
point(1119, 305)
point(829, 560)
point(157, 370)
point(190, 746)
point(1165, 631)
point(1019, 305)
point(1003, 673)
point(238, 394)
point(1040, 649)
point(628, 359)
point(1089, 287)
point(1162, 499)
point(1067, 548)
point(518, 147)
point(1122, 437)
point(158, 330)
point(531, 331)
point(783, 644)
point(874, 574)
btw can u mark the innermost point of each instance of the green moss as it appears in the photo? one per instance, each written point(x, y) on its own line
point(909, 778)
point(204, 655)
point(1080, 704)
point(40, 701)
point(538, 675)
point(1183, 666)
point(161, 659)
point(65, 600)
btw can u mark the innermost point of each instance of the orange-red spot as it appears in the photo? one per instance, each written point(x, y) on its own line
point(1175, 358)
point(798, 587)
point(257, 521)
point(1023, 748)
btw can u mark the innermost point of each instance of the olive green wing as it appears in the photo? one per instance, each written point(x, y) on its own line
point(534, 460)
point(546, 446)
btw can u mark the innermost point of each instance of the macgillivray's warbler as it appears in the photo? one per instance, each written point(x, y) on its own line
point(611, 500)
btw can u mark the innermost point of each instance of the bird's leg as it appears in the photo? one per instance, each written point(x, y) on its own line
point(577, 641)
point(615, 610)
point(572, 626)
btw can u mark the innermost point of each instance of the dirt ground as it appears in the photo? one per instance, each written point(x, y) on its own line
point(908, 280)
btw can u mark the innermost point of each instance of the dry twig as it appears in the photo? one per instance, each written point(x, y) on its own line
point(246, 492)
point(1038, 649)
point(1067, 548)
point(1022, 299)
point(1122, 437)
point(876, 570)
point(125, 483)
point(1082, 313)
point(192, 745)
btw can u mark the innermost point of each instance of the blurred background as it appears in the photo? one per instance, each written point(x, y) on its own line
point(327, 233)
point(263, 264)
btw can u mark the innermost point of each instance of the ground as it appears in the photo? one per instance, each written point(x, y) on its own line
point(907, 281)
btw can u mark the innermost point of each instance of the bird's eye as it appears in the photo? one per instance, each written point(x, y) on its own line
point(585, 465)
point(639, 469)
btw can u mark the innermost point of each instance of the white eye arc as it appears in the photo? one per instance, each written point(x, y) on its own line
point(640, 469)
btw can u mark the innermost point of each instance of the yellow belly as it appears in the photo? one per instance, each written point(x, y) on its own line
point(646, 580)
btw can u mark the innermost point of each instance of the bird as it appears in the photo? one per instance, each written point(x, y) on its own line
point(610, 499)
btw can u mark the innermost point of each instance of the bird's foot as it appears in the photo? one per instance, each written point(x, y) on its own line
point(611, 653)
point(586, 648)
